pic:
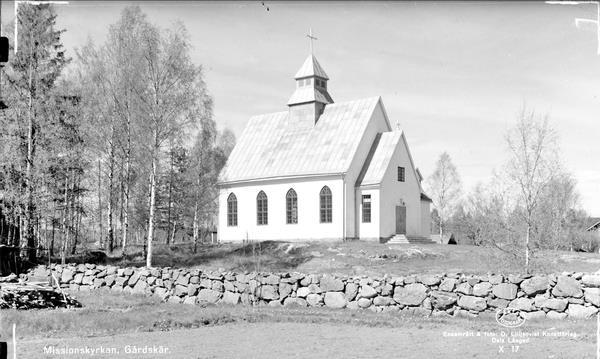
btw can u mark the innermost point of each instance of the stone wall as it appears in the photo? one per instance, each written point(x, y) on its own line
point(555, 296)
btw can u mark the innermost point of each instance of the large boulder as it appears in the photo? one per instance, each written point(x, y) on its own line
point(443, 300)
point(535, 285)
point(271, 279)
point(567, 287)
point(208, 296)
point(285, 289)
point(429, 279)
point(535, 315)
point(331, 284)
point(505, 290)
point(448, 284)
point(411, 294)
point(268, 292)
point(302, 292)
point(498, 303)
point(364, 303)
point(383, 301)
point(366, 291)
point(589, 280)
point(67, 276)
point(556, 315)
point(230, 298)
point(140, 287)
point(555, 304)
point(524, 304)
point(133, 279)
point(464, 288)
point(294, 302)
point(482, 289)
point(472, 303)
point(335, 300)
point(351, 291)
point(314, 299)
point(578, 311)
point(592, 295)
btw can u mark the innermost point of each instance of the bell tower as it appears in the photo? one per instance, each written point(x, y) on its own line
point(308, 101)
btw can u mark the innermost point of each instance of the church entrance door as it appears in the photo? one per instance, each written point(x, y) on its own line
point(400, 220)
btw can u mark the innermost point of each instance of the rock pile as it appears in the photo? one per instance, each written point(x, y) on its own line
point(26, 297)
point(556, 296)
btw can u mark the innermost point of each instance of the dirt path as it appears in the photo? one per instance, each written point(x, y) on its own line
point(299, 340)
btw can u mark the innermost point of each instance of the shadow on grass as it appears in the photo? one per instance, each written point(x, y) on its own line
point(254, 256)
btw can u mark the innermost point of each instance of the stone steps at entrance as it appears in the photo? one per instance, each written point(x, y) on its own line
point(403, 239)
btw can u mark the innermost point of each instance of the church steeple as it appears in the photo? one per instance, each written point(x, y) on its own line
point(311, 96)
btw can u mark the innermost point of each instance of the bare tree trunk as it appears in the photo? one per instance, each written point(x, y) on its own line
point(126, 182)
point(65, 236)
point(527, 235)
point(27, 242)
point(111, 236)
point(152, 212)
point(173, 232)
point(100, 205)
point(170, 195)
point(195, 226)
point(77, 224)
point(53, 231)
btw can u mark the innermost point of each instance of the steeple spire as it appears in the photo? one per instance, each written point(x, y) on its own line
point(311, 37)
point(308, 101)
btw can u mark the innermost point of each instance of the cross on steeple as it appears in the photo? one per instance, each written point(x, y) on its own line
point(311, 37)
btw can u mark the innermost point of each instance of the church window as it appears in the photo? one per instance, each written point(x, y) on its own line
point(232, 216)
point(308, 81)
point(401, 174)
point(291, 207)
point(325, 202)
point(261, 209)
point(366, 208)
point(300, 83)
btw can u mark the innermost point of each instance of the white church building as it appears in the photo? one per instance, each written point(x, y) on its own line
point(321, 170)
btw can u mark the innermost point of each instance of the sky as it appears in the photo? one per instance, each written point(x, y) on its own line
point(453, 75)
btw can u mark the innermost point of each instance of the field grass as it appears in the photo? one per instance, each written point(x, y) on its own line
point(214, 331)
point(110, 313)
point(356, 258)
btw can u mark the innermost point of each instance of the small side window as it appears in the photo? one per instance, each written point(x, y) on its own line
point(401, 177)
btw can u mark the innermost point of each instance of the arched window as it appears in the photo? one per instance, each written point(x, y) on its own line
point(325, 201)
point(291, 207)
point(232, 218)
point(262, 212)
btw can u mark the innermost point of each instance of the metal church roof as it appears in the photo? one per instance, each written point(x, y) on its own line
point(309, 94)
point(381, 158)
point(311, 67)
point(273, 146)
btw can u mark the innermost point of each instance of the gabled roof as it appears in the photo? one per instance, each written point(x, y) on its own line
point(425, 197)
point(593, 223)
point(379, 162)
point(309, 94)
point(311, 67)
point(272, 146)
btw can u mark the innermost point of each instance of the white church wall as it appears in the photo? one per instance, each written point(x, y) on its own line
point(395, 193)
point(425, 219)
point(376, 124)
point(308, 226)
point(368, 231)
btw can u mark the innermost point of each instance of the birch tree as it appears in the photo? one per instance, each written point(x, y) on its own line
point(173, 99)
point(532, 166)
point(445, 188)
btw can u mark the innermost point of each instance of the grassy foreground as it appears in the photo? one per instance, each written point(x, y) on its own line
point(111, 319)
